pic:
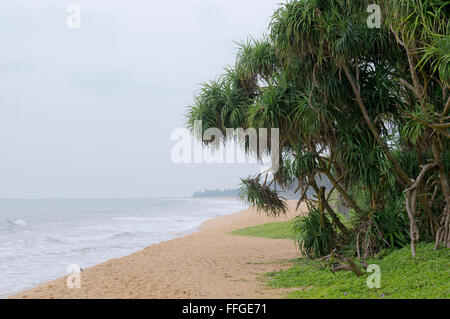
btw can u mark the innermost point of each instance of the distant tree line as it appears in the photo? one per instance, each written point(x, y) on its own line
point(217, 193)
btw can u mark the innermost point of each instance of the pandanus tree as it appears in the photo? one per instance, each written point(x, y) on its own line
point(365, 107)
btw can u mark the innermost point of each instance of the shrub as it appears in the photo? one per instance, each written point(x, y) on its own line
point(393, 224)
point(314, 234)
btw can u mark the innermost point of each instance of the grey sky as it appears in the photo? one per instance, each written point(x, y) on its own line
point(89, 112)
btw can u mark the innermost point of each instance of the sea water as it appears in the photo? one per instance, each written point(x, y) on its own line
point(40, 239)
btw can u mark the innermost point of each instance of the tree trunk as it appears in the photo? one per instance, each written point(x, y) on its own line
point(411, 209)
point(321, 195)
point(347, 197)
point(403, 177)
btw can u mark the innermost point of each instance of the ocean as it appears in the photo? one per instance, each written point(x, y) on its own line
point(40, 239)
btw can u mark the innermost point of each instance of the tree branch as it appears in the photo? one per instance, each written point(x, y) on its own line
point(404, 178)
point(419, 178)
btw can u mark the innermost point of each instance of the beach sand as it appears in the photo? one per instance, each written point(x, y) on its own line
point(211, 263)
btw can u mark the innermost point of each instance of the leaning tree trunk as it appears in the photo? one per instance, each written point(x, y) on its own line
point(320, 191)
point(400, 173)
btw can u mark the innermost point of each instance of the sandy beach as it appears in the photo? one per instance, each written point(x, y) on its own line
point(211, 263)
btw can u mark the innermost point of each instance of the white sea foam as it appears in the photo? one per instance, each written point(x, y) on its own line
point(18, 222)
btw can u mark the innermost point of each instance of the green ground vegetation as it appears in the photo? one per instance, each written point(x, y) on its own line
point(402, 276)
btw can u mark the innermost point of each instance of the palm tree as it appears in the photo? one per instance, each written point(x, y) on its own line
point(350, 102)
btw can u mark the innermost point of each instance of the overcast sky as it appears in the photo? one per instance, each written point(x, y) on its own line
point(89, 112)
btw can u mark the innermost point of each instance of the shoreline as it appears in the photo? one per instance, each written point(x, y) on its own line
point(208, 263)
